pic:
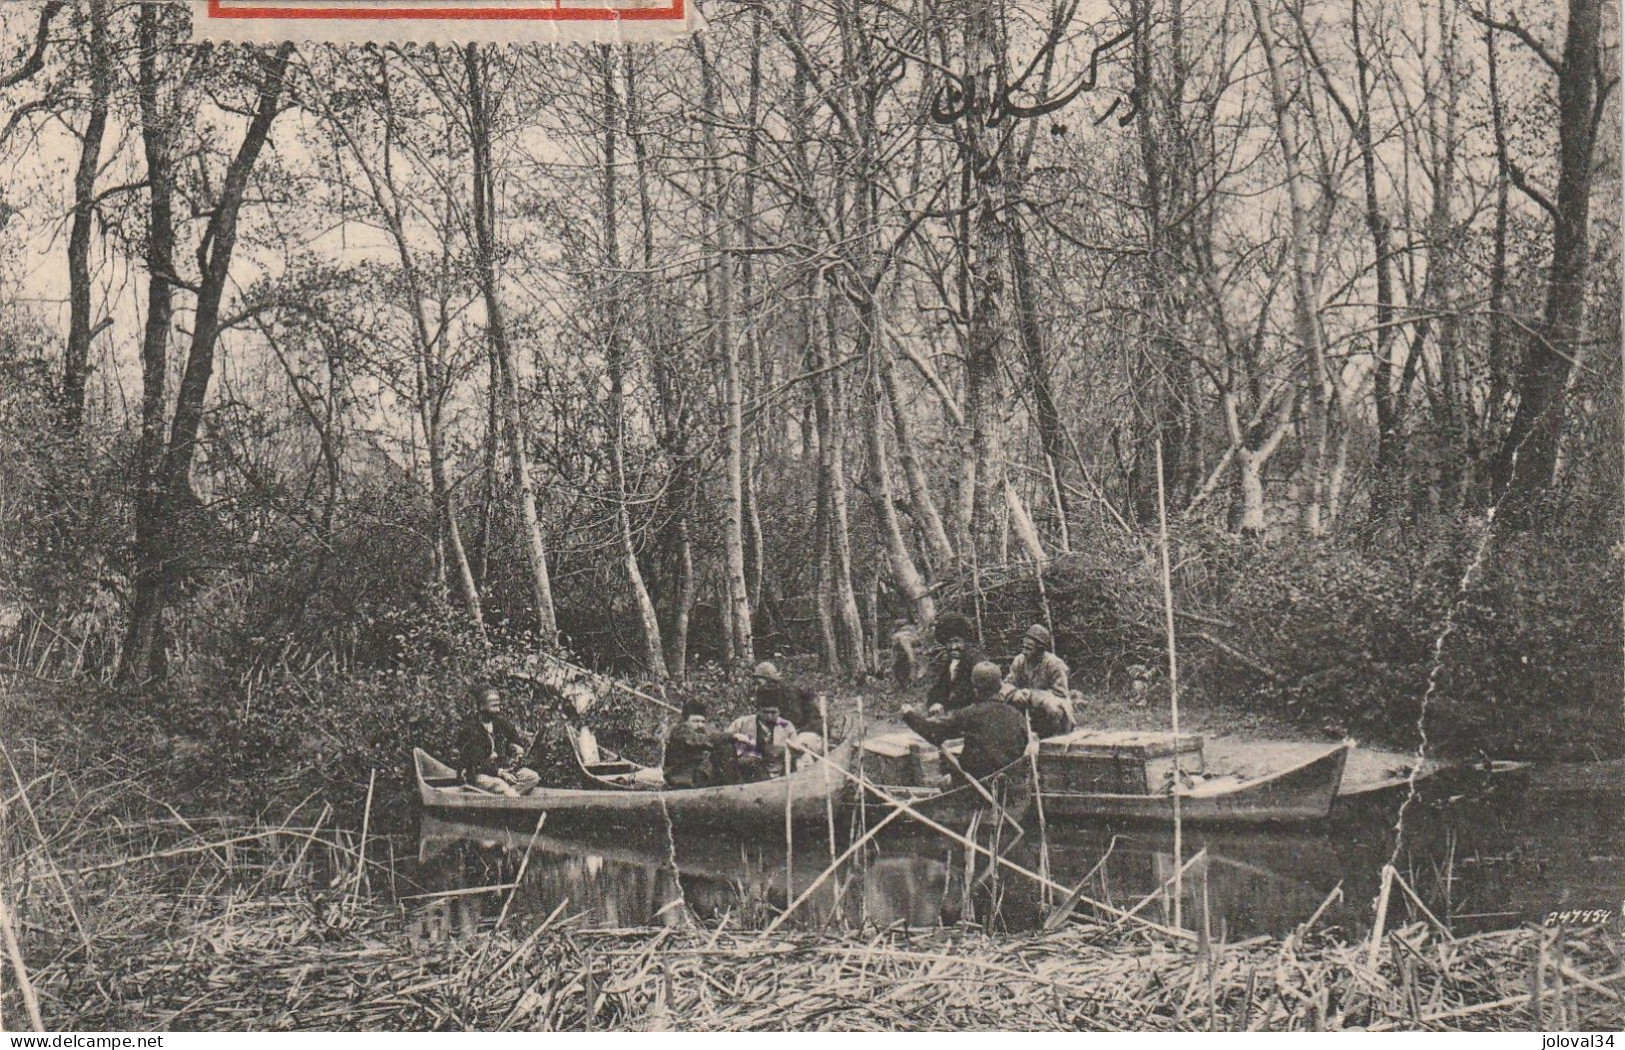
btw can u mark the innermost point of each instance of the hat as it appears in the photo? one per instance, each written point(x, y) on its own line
point(985, 674)
point(480, 692)
point(766, 670)
point(953, 625)
point(694, 707)
point(1039, 633)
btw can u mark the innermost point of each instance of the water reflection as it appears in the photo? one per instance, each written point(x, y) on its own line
point(1485, 861)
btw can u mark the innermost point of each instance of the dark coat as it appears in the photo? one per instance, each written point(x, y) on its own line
point(688, 756)
point(479, 752)
point(995, 734)
point(953, 690)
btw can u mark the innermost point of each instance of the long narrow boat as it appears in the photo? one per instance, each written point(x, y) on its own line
point(623, 794)
point(1132, 776)
point(903, 766)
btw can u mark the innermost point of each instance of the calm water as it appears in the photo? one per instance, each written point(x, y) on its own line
point(1491, 855)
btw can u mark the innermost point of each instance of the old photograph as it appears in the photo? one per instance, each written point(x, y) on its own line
point(811, 516)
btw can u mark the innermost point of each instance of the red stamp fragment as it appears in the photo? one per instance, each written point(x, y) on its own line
point(444, 21)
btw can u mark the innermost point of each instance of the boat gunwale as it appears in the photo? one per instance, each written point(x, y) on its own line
point(1163, 801)
point(629, 798)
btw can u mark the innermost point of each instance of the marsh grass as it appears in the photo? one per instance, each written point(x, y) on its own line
point(131, 915)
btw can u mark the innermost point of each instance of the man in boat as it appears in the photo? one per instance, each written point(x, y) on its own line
point(688, 749)
point(761, 740)
point(489, 749)
point(950, 684)
point(995, 733)
point(1037, 685)
point(797, 706)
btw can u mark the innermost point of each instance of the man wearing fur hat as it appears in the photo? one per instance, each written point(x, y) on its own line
point(949, 684)
point(1037, 683)
point(797, 706)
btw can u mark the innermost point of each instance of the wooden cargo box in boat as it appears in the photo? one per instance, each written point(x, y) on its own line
point(1127, 775)
point(1118, 763)
point(902, 760)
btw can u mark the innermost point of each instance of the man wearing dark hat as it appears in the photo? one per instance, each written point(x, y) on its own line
point(797, 706)
point(489, 750)
point(949, 678)
point(995, 733)
point(1037, 684)
point(761, 740)
point(688, 749)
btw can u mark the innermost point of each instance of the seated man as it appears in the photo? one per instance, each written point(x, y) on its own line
point(949, 685)
point(1037, 684)
point(995, 733)
point(489, 749)
point(797, 706)
point(688, 749)
point(761, 740)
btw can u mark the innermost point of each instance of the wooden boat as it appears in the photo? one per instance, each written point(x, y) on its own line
point(626, 794)
point(905, 767)
point(1089, 775)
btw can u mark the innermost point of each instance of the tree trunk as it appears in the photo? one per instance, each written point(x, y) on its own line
point(76, 365)
point(497, 333)
point(1495, 403)
point(143, 653)
point(833, 462)
point(1305, 311)
point(903, 570)
point(143, 646)
point(739, 610)
point(654, 657)
point(1526, 461)
point(431, 365)
point(667, 376)
point(1030, 327)
point(921, 503)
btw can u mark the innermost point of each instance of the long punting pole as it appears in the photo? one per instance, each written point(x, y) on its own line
point(1173, 674)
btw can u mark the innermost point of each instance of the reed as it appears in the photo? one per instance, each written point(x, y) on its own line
point(271, 923)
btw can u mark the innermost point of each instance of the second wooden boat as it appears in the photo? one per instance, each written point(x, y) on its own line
point(1088, 775)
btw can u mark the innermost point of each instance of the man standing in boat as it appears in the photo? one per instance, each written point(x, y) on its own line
point(950, 684)
point(995, 733)
point(489, 750)
point(1037, 685)
point(761, 740)
point(797, 706)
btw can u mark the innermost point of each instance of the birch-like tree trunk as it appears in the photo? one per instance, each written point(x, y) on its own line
point(716, 236)
point(615, 334)
point(1305, 299)
point(480, 120)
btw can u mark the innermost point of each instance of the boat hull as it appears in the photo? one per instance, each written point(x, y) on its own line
point(1302, 792)
point(805, 795)
point(1011, 787)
